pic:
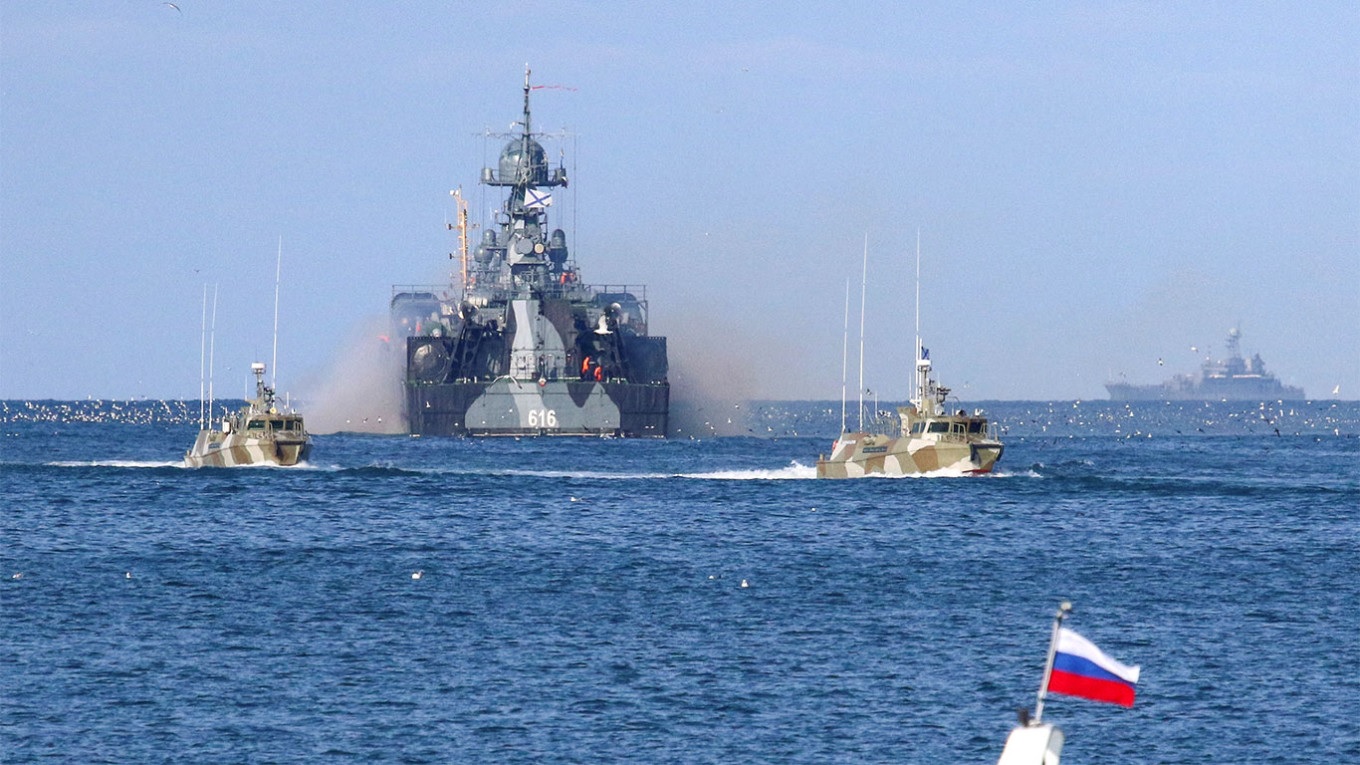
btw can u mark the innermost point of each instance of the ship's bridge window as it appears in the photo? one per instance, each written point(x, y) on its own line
point(939, 427)
point(255, 425)
point(959, 428)
point(276, 424)
point(917, 427)
point(975, 426)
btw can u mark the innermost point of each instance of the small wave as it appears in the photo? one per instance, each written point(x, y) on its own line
point(794, 471)
point(375, 470)
point(1025, 473)
point(585, 474)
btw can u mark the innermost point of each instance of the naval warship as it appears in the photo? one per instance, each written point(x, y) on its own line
point(259, 434)
point(928, 438)
point(1231, 379)
point(519, 345)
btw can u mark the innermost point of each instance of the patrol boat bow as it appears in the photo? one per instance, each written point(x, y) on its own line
point(522, 347)
point(929, 439)
point(259, 434)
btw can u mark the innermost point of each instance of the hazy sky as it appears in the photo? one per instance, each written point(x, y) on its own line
point(1098, 185)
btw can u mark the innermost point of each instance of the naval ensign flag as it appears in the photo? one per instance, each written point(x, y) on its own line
point(537, 198)
point(1081, 669)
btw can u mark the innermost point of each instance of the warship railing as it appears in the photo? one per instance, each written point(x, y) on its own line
point(449, 292)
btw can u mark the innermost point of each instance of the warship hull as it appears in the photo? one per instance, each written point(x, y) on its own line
point(508, 407)
point(1230, 389)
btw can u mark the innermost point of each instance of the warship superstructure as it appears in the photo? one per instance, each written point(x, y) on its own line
point(259, 434)
point(520, 345)
point(1231, 379)
point(927, 439)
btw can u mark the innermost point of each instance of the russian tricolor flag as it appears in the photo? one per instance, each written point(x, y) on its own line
point(1081, 669)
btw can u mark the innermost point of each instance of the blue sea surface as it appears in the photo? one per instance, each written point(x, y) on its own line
point(681, 601)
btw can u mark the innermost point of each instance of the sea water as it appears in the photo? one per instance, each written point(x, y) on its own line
point(695, 600)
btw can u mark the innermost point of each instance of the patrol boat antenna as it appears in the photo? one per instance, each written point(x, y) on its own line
point(203, 354)
point(212, 347)
point(914, 383)
point(863, 283)
point(845, 350)
point(278, 270)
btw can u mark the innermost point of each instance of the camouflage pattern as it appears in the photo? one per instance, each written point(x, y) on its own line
point(928, 440)
point(259, 434)
point(855, 455)
point(520, 346)
point(1231, 379)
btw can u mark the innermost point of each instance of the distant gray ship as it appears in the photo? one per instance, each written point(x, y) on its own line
point(1232, 379)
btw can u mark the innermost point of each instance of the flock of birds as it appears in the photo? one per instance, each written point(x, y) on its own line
point(790, 419)
point(102, 411)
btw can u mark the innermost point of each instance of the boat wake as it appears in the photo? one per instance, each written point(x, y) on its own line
point(155, 464)
point(117, 463)
point(795, 471)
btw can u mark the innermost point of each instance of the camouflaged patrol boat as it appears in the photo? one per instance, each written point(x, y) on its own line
point(928, 439)
point(259, 434)
point(520, 346)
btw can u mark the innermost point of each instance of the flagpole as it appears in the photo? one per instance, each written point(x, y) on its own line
point(1064, 608)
